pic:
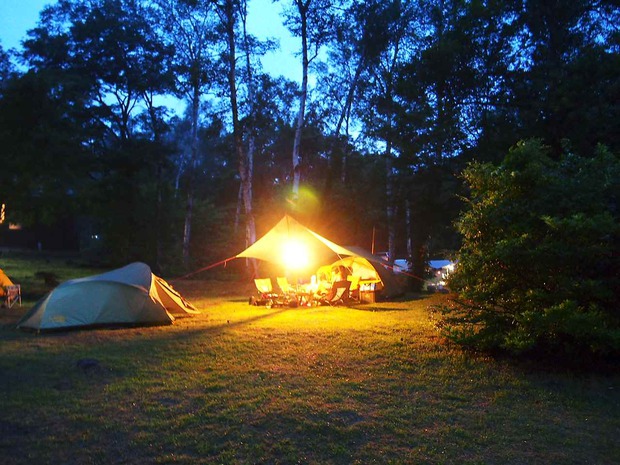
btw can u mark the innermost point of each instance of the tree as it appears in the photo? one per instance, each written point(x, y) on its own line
point(361, 34)
point(539, 267)
point(6, 68)
point(38, 128)
point(312, 21)
point(383, 103)
point(107, 62)
point(228, 12)
point(562, 79)
point(445, 83)
point(190, 28)
point(112, 47)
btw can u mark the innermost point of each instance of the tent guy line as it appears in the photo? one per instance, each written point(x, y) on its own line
point(294, 246)
point(208, 267)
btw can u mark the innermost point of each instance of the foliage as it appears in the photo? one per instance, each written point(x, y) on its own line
point(540, 264)
point(44, 167)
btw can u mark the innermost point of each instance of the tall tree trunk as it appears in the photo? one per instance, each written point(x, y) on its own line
point(189, 208)
point(303, 16)
point(390, 208)
point(409, 227)
point(389, 165)
point(187, 228)
point(332, 163)
point(250, 228)
point(148, 98)
point(344, 116)
point(245, 164)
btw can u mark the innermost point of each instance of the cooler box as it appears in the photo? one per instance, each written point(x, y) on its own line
point(367, 293)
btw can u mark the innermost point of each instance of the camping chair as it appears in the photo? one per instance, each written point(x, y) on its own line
point(338, 294)
point(13, 294)
point(354, 289)
point(266, 294)
point(289, 296)
point(285, 286)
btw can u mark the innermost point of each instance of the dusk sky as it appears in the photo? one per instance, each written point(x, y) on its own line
point(18, 16)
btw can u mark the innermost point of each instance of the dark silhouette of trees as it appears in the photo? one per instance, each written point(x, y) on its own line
point(394, 99)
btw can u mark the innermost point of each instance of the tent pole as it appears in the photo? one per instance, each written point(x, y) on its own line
point(372, 246)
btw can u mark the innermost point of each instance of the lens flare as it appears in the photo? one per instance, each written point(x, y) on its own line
point(295, 255)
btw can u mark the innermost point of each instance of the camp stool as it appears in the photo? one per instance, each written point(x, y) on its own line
point(354, 289)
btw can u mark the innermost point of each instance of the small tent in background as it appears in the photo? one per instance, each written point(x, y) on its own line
point(371, 268)
point(4, 282)
point(131, 295)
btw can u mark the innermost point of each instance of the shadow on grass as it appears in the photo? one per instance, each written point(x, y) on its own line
point(8, 331)
point(247, 321)
point(396, 304)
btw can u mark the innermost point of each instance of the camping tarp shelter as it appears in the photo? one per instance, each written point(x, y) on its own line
point(297, 248)
point(131, 295)
point(294, 247)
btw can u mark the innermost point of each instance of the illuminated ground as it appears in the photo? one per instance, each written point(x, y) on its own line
point(242, 384)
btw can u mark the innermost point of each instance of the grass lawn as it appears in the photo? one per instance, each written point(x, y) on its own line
point(240, 384)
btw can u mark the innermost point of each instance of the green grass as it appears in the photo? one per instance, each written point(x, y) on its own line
point(240, 384)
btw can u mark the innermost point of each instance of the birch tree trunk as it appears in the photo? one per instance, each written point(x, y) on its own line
point(389, 194)
point(189, 206)
point(302, 8)
point(228, 17)
point(247, 185)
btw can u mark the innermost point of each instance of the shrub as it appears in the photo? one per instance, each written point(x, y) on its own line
point(539, 265)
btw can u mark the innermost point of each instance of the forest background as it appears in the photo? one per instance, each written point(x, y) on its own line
point(395, 99)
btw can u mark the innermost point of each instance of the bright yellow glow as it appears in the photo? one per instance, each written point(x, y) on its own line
point(2, 213)
point(306, 201)
point(295, 255)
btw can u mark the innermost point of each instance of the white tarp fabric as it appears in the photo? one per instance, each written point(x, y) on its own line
point(272, 247)
point(131, 295)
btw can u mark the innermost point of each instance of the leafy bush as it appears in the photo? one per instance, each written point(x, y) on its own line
point(539, 265)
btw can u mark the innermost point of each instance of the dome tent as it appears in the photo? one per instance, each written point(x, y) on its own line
point(4, 281)
point(131, 295)
point(369, 267)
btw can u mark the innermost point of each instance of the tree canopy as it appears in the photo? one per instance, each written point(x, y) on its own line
point(539, 268)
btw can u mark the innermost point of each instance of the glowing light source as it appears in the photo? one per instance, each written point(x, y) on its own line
point(295, 255)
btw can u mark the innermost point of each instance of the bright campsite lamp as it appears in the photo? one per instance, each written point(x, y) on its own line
point(295, 255)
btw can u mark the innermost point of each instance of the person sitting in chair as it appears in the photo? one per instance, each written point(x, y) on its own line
point(323, 284)
point(339, 273)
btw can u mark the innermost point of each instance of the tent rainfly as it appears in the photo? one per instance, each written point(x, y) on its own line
point(369, 267)
point(131, 295)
